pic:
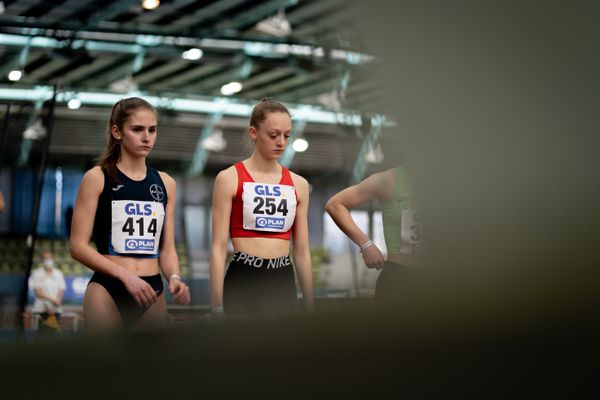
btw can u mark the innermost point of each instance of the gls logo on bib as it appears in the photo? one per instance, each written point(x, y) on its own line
point(138, 209)
point(265, 190)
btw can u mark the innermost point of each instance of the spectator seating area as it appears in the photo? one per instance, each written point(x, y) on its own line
point(14, 256)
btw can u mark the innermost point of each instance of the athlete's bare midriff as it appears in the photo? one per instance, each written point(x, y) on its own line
point(407, 261)
point(262, 247)
point(139, 266)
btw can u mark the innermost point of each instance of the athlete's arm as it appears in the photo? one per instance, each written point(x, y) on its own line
point(223, 192)
point(376, 186)
point(60, 296)
point(41, 294)
point(168, 259)
point(301, 243)
point(81, 232)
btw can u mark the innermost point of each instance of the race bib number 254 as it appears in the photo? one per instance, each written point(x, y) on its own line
point(270, 208)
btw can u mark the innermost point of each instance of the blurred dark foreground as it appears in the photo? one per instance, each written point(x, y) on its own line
point(497, 110)
point(435, 345)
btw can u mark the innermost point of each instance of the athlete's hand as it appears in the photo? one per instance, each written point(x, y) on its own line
point(309, 305)
point(179, 290)
point(141, 291)
point(373, 257)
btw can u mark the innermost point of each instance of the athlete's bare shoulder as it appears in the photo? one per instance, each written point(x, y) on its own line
point(298, 179)
point(95, 171)
point(93, 176)
point(227, 173)
point(167, 179)
point(227, 180)
point(169, 182)
point(92, 182)
point(380, 184)
point(388, 177)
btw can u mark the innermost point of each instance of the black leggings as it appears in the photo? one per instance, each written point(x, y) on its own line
point(391, 282)
point(259, 287)
point(128, 308)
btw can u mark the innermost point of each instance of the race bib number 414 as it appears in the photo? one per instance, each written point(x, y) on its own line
point(136, 226)
point(268, 208)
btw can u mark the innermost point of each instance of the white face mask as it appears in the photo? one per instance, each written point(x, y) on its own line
point(48, 264)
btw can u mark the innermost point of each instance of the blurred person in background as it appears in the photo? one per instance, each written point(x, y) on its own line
point(1, 202)
point(402, 227)
point(261, 206)
point(48, 285)
point(128, 209)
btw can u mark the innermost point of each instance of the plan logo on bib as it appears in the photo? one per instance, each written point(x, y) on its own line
point(157, 192)
point(139, 244)
point(270, 222)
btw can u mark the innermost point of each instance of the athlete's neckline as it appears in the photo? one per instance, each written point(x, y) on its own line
point(133, 180)
point(254, 180)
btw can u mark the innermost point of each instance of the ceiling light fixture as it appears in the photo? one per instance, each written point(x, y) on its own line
point(15, 75)
point(300, 145)
point(215, 141)
point(231, 88)
point(36, 131)
point(277, 25)
point(150, 4)
point(74, 104)
point(374, 155)
point(124, 85)
point(192, 54)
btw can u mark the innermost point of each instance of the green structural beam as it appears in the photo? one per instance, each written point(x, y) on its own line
point(33, 131)
point(18, 61)
point(360, 165)
point(201, 153)
point(208, 105)
point(289, 153)
point(98, 42)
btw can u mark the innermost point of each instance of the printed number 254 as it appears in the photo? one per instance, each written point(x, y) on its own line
point(268, 205)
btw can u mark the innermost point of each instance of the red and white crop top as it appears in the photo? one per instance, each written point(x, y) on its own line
point(263, 209)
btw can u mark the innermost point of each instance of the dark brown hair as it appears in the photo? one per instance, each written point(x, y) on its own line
point(266, 106)
point(119, 114)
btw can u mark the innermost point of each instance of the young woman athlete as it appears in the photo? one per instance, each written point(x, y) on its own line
point(261, 206)
point(402, 227)
point(128, 209)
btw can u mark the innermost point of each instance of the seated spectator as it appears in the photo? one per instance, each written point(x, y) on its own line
point(48, 284)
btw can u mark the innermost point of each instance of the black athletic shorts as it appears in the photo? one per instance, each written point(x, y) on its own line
point(128, 308)
point(259, 287)
point(392, 281)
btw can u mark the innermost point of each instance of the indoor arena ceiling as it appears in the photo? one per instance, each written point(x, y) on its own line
point(183, 56)
point(302, 52)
